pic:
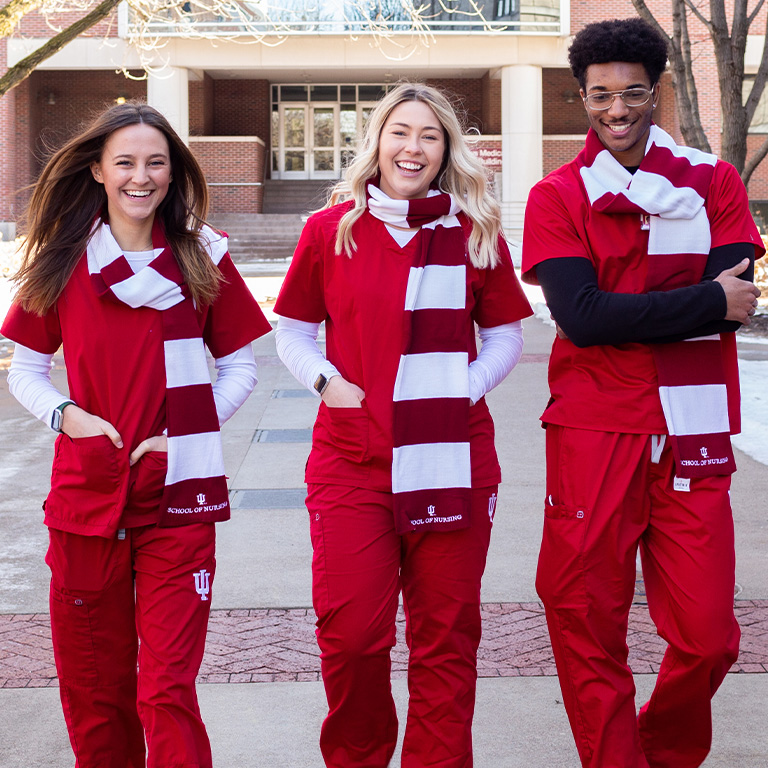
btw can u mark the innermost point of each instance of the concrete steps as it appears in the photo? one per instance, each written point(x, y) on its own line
point(255, 237)
point(295, 196)
point(273, 234)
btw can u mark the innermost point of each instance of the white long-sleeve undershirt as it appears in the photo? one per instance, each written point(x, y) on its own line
point(29, 381)
point(501, 349)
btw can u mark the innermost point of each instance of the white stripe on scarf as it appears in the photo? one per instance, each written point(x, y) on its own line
point(431, 465)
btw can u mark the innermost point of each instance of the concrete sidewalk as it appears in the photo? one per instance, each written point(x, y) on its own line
point(262, 624)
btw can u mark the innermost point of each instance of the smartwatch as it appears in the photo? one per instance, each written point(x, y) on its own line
point(58, 415)
point(321, 384)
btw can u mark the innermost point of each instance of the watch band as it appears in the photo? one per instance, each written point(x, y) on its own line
point(58, 415)
point(321, 384)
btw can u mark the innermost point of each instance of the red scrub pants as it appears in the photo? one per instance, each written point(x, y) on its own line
point(607, 494)
point(106, 594)
point(359, 567)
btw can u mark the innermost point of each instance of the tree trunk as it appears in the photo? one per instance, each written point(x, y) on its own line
point(683, 83)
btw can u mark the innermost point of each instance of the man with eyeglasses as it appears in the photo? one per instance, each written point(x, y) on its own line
point(644, 250)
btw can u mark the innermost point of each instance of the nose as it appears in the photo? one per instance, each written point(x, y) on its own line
point(618, 108)
point(140, 174)
point(413, 145)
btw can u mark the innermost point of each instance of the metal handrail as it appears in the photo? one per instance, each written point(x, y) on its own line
point(229, 27)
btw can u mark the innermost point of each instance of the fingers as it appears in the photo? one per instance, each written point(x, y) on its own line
point(741, 301)
point(157, 443)
point(138, 452)
point(113, 435)
point(79, 423)
point(341, 393)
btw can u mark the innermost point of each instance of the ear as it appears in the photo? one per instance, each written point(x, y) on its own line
point(96, 172)
point(583, 96)
point(655, 93)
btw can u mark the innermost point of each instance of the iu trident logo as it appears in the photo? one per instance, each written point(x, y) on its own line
point(431, 510)
point(492, 506)
point(704, 452)
point(202, 583)
point(201, 498)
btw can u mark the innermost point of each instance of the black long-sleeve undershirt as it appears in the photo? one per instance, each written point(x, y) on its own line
point(590, 316)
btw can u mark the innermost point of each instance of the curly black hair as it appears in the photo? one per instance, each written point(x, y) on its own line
point(631, 40)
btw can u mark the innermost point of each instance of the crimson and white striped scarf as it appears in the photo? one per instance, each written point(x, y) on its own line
point(668, 192)
point(195, 485)
point(431, 471)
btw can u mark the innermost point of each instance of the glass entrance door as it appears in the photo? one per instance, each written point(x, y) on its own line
point(324, 150)
point(293, 141)
point(310, 142)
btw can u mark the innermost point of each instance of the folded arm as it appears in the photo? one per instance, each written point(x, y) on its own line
point(587, 315)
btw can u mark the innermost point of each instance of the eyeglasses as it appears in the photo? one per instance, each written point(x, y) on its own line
point(632, 97)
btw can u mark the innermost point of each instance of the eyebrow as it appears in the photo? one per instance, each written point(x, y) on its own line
point(625, 88)
point(129, 156)
point(424, 128)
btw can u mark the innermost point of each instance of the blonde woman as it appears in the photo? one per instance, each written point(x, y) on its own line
point(403, 476)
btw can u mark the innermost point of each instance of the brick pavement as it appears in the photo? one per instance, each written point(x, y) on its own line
point(269, 645)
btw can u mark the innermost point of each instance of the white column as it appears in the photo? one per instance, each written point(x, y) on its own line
point(168, 92)
point(521, 139)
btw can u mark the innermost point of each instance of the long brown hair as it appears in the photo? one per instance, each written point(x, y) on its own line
point(66, 200)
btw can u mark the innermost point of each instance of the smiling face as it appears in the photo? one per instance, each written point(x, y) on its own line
point(135, 169)
point(623, 130)
point(411, 149)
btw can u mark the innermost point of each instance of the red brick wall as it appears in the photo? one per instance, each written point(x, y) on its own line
point(491, 117)
point(469, 98)
point(35, 24)
point(758, 184)
point(8, 147)
point(557, 152)
point(241, 108)
point(201, 106)
point(196, 108)
point(232, 162)
point(26, 131)
point(560, 117)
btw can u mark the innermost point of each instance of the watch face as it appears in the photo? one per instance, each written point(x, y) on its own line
point(320, 383)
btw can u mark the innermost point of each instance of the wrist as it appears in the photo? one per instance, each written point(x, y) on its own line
point(321, 383)
point(57, 416)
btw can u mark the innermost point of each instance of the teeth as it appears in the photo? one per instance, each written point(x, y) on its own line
point(138, 194)
point(618, 128)
point(410, 166)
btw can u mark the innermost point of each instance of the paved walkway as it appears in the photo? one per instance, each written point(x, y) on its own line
point(269, 645)
point(260, 692)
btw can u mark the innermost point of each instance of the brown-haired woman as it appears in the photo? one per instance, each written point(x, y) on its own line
point(121, 269)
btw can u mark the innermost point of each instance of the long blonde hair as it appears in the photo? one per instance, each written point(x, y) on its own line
point(462, 175)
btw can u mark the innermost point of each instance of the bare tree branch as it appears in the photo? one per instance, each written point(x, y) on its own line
point(761, 77)
point(690, 117)
point(644, 12)
point(26, 66)
point(754, 161)
point(696, 12)
point(754, 13)
point(13, 12)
